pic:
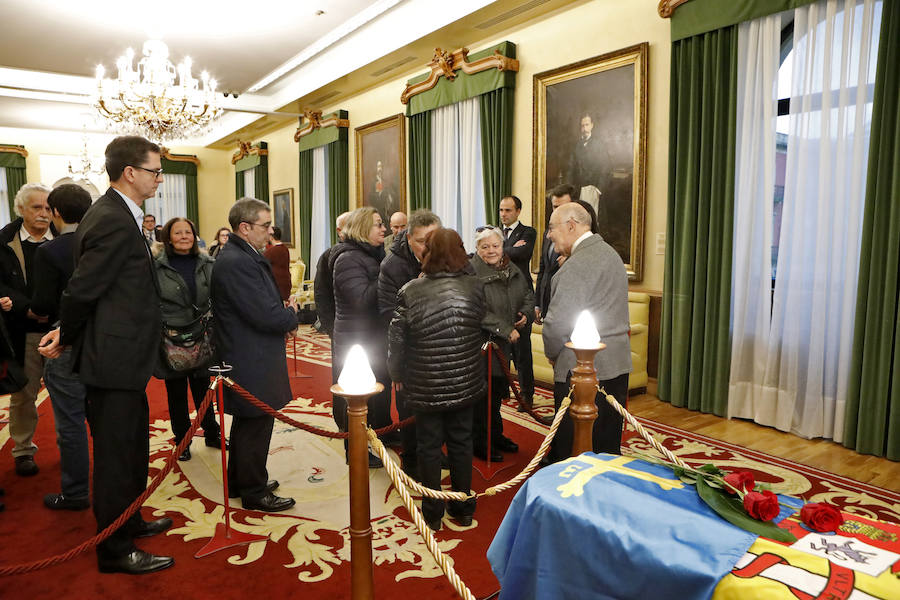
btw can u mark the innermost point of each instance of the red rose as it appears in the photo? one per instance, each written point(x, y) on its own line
point(762, 505)
point(821, 517)
point(742, 480)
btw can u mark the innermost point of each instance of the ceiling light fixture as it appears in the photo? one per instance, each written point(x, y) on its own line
point(147, 100)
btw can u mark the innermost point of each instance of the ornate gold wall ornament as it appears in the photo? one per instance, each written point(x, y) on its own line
point(315, 121)
point(166, 154)
point(667, 7)
point(20, 150)
point(246, 148)
point(445, 64)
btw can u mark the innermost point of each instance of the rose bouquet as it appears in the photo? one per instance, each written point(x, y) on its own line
point(740, 500)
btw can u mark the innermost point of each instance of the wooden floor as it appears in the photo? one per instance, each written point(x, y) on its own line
point(821, 454)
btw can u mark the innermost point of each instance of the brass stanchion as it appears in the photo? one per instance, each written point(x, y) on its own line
point(362, 575)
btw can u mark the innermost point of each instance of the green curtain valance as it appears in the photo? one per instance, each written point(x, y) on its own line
point(12, 159)
point(463, 86)
point(699, 16)
point(325, 135)
point(251, 161)
point(178, 167)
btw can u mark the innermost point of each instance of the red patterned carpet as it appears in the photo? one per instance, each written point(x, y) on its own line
point(307, 551)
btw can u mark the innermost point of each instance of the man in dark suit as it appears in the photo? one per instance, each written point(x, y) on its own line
point(109, 314)
point(551, 260)
point(518, 244)
point(251, 325)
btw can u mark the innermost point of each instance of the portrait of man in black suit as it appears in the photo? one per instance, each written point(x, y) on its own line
point(109, 314)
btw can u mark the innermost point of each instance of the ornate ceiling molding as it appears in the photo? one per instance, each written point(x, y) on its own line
point(20, 150)
point(445, 64)
point(315, 121)
point(246, 148)
point(166, 154)
point(667, 7)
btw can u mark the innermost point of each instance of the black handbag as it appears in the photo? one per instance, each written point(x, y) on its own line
point(189, 347)
point(12, 375)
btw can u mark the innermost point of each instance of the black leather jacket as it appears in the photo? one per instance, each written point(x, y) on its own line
point(435, 341)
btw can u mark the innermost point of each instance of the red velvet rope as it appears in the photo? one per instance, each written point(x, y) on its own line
point(503, 363)
point(50, 561)
point(340, 435)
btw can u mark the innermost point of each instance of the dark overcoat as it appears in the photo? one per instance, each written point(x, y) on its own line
point(251, 322)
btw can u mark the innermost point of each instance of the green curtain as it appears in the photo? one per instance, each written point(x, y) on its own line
point(420, 161)
point(699, 16)
point(238, 185)
point(695, 348)
point(304, 198)
point(496, 148)
point(261, 177)
point(15, 179)
point(337, 157)
point(193, 199)
point(872, 414)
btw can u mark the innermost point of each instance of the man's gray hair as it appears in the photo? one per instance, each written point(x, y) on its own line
point(422, 218)
point(572, 211)
point(25, 191)
point(246, 210)
point(341, 220)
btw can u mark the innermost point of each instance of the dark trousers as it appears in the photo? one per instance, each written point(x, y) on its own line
point(120, 423)
point(433, 429)
point(521, 356)
point(248, 452)
point(408, 433)
point(176, 392)
point(607, 430)
point(499, 388)
point(67, 395)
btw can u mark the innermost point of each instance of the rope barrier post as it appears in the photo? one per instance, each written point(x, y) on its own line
point(362, 575)
point(583, 409)
point(297, 373)
point(224, 537)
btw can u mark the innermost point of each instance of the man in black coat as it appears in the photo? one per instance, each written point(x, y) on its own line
point(403, 264)
point(323, 286)
point(109, 314)
point(551, 260)
point(251, 325)
point(518, 244)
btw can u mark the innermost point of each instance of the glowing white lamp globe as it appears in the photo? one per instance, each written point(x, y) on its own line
point(357, 377)
point(585, 333)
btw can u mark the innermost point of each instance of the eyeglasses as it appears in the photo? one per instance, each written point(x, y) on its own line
point(266, 225)
point(551, 226)
point(488, 227)
point(156, 172)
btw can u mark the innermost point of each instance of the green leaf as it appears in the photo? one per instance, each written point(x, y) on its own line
point(711, 469)
point(732, 510)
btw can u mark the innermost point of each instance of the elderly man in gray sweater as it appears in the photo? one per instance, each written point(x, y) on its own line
point(592, 278)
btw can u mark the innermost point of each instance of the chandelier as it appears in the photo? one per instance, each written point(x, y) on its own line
point(86, 169)
point(147, 101)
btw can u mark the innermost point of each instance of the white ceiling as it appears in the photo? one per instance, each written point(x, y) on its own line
point(49, 49)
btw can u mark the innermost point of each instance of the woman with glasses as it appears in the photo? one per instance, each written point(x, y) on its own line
point(435, 342)
point(510, 303)
point(221, 240)
point(355, 265)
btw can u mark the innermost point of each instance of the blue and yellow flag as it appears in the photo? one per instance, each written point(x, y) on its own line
point(604, 526)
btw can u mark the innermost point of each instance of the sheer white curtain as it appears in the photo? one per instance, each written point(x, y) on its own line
point(457, 192)
point(250, 184)
point(170, 200)
point(811, 329)
point(4, 199)
point(320, 229)
point(759, 45)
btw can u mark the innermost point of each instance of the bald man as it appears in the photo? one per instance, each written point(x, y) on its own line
point(322, 286)
point(398, 224)
point(592, 278)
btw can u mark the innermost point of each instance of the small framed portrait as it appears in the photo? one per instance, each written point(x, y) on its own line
point(381, 165)
point(590, 131)
point(283, 214)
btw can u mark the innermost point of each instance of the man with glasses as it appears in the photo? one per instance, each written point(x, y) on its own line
point(109, 313)
point(251, 325)
point(592, 278)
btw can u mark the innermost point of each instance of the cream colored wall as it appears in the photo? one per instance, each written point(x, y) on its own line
point(565, 36)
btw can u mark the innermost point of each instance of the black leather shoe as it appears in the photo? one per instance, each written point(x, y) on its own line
point(526, 404)
point(137, 562)
point(544, 419)
point(268, 503)
point(434, 524)
point(215, 442)
point(271, 486)
point(186, 455)
point(153, 527)
point(25, 466)
point(504, 444)
point(482, 454)
point(63, 502)
point(465, 521)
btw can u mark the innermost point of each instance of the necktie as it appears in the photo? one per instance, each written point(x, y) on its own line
point(506, 231)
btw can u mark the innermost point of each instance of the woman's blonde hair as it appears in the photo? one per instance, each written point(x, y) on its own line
point(359, 223)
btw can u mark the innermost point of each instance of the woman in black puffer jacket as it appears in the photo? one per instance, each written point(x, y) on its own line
point(355, 264)
point(435, 354)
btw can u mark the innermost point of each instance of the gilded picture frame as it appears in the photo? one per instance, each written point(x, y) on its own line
point(590, 131)
point(381, 165)
point(283, 214)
